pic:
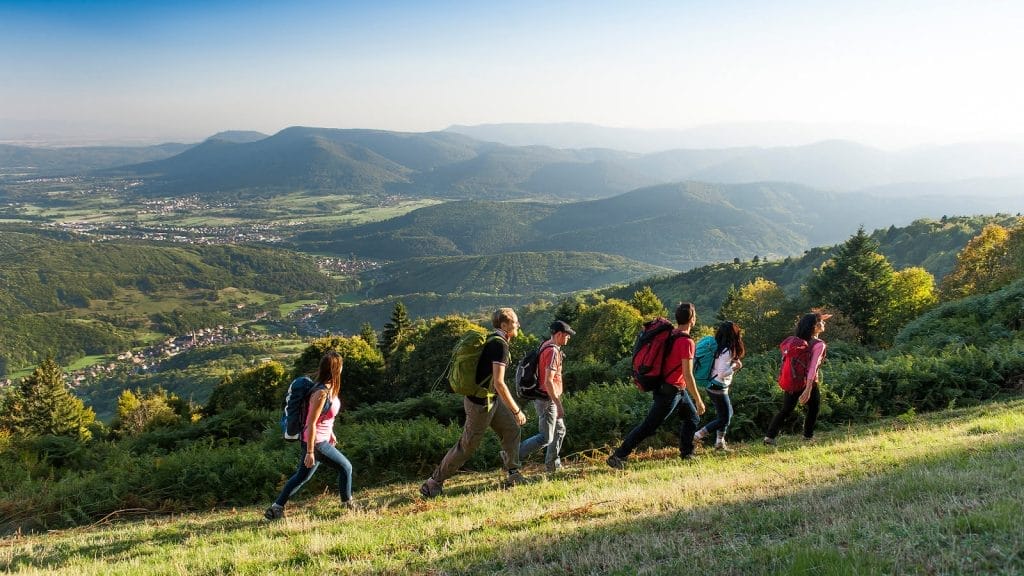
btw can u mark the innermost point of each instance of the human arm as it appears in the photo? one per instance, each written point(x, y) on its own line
point(498, 380)
point(691, 385)
point(316, 406)
point(817, 353)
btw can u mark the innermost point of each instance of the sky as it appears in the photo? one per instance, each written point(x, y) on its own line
point(105, 70)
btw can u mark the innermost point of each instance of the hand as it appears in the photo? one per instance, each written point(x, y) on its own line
point(806, 396)
point(308, 461)
point(520, 417)
point(700, 408)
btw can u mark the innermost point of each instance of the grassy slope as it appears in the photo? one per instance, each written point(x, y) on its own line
point(926, 494)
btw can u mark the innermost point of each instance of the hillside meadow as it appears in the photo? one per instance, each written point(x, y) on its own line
point(915, 494)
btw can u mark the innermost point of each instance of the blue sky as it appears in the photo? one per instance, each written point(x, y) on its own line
point(941, 69)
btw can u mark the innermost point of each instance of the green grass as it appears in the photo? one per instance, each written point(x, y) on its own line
point(937, 494)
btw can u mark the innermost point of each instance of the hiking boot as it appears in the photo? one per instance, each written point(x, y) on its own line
point(353, 505)
point(722, 446)
point(698, 436)
point(515, 478)
point(691, 457)
point(431, 488)
point(616, 462)
point(555, 466)
point(808, 439)
point(275, 512)
point(768, 441)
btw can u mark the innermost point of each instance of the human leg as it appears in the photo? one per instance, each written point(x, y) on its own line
point(547, 414)
point(300, 477)
point(509, 434)
point(664, 402)
point(789, 402)
point(333, 457)
point(811, 418)
point(552, 459)
point(723, 413)
point(478, 418)
point(688, 422)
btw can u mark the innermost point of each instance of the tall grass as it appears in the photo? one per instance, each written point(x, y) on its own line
point(935, 494)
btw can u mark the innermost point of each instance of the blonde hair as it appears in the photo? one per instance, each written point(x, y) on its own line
point(502, 315)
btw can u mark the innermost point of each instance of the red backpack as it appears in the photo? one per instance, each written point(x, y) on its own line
point(796, 358)
point(650, 350)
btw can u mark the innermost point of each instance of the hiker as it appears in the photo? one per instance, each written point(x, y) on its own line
point(677, 389)
point(729, 353)
point(550, 414)
point(318, 438)
point(800, 384)
point(504, 417)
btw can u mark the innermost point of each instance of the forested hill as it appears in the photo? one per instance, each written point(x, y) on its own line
point(66, 296)
point(42, 274)
point(67, 161)
point(680, 226)
point(518, 273)
point(930, 244)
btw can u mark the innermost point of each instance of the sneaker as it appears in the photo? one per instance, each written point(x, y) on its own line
point(555, 466)
point(616, 462)
point(431, 488)
point(515, 478)
point(768, 441)
point(275, 512)
point(352, 505)
point(698, 436)
point(721, 445)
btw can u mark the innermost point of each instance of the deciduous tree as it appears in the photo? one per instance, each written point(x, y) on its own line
point(857, 281)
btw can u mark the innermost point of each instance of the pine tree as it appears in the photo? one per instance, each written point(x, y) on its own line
point(367, 333)
point(43, 404)
point(395, 330)
point(857, 281)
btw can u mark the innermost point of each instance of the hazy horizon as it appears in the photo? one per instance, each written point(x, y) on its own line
point(882, 74)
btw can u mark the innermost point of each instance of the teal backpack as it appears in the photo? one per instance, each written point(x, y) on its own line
point(704, 361)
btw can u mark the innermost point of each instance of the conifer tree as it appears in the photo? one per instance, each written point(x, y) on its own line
point(395, 330)
point(43, 404)
point(367, 333)
point(857, 281)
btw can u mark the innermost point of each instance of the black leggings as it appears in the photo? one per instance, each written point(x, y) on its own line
point(789, 402)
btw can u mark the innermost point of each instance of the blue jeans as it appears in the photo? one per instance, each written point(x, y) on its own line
point(666, 398)
point(550, 434)
point(323, 452)
point(723, 412)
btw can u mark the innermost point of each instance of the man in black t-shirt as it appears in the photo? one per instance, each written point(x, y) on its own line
point(505, 417)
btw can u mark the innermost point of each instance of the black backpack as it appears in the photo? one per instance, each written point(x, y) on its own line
point(527, 382)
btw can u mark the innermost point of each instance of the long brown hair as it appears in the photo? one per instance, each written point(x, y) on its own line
point(329, 373)
point(729, 337)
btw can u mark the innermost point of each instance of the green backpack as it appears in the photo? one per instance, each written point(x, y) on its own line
point(465, 357)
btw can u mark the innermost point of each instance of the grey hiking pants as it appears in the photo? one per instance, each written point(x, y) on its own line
point(478, 419)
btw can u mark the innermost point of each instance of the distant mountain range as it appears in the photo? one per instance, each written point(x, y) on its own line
point(455, 166)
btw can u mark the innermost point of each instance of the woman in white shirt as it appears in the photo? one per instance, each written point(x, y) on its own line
point(728, 359)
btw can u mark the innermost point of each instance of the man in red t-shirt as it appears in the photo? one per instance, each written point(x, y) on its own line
point(550, 415)
point(679, 389)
